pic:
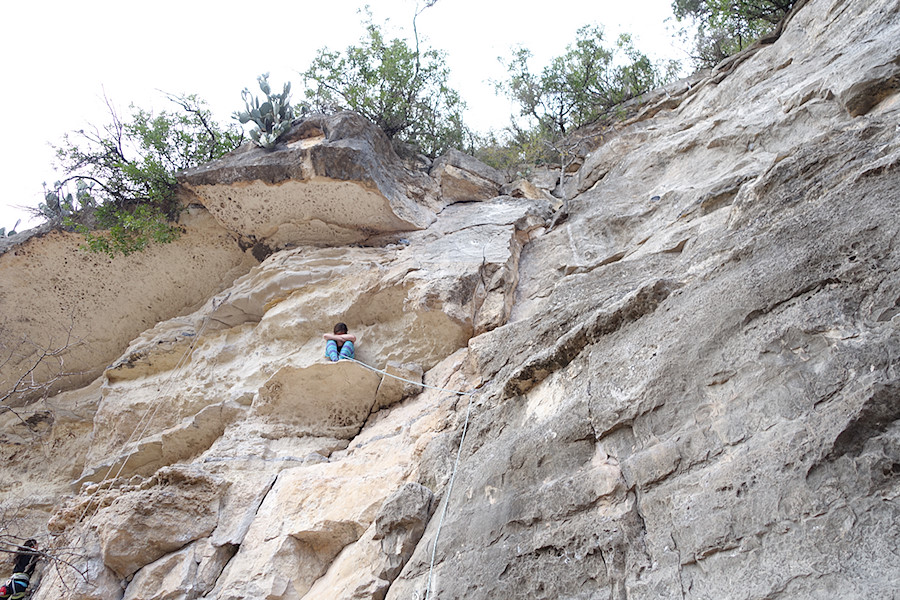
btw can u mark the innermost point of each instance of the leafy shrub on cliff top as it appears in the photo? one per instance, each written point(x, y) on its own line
point(125, 174)
point(403, 90)
point(575, 89)
point(725, 27)
point(579, 86)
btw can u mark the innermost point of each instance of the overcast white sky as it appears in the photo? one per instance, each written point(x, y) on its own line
point(60, 57)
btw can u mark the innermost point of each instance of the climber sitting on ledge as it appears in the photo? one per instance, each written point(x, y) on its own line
point(339, 344)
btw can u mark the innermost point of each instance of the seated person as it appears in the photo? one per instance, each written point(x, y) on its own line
point(339, 344)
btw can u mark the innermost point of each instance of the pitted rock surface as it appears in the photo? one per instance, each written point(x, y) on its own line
point(687, 388)
point(333, 181)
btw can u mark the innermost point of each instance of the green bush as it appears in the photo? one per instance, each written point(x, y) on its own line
point(582, 84)
point(403, 90)
point(124, 232)
point(724, 27)
point(124, 173)
point(589, 81)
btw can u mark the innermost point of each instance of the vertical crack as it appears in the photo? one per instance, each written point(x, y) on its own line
point(677, 550)
point(371, 410)
point(233, 548)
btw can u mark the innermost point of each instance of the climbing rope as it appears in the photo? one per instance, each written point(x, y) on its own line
point(134, 436)
point(419, 383)
point(437, 535)
point(184, 360)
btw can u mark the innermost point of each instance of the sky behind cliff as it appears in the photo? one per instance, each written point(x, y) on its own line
point(61, 57)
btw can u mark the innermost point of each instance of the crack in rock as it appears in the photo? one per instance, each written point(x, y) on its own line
point(601, 323)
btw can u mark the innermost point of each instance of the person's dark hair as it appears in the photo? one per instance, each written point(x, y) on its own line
point(26, 560)
point(340, 328)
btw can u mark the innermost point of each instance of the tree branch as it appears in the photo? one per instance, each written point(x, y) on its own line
point(27, 386)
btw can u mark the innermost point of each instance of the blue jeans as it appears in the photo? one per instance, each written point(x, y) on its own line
point(331, 350)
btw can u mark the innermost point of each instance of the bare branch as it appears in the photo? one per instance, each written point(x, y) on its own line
point(58, 556)
point(29, 385)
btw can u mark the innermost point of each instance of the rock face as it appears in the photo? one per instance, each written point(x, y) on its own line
point(54, 296)
point(688, 388)
point(462, 178)
point(332, 181)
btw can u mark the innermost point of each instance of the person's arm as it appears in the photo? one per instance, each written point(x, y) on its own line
point(340, 337)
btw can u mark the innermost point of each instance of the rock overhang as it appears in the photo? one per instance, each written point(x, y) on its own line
point(319, 211)
point(335, 180)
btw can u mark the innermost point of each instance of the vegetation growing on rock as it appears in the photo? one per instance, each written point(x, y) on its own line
point(728, 26)
point(589, 80)
point(125, 173)
point(403, 89)
point(272, 118)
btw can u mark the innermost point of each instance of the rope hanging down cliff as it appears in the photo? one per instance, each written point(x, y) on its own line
point(437, 535)
point(144, 423)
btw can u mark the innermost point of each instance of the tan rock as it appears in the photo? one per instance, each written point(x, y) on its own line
point(523, 188)
point(323, 399)
point(142, 526)
point(463, 178)
point(366, 568)
point(398, 383)
point(334, 181)
point(350, 575)
point(310, 515)
point(53, 295)
point(399, 525)
point(686, 387)
point(190, 572)
point(416, 306)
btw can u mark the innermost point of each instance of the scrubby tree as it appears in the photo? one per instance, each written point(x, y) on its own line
point(589, 81)
point(724, 27)
point(125, 173)
point(29, 370)
point(402, 89)
point(582, 84)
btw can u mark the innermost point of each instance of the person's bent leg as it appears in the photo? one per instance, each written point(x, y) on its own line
point(331, 350)
point(347, 350)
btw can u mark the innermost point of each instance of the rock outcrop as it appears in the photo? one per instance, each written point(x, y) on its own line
point(331, 181)
point(79, 310)
point(687, 388)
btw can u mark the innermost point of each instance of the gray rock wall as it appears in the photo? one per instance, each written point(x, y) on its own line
point(686, 387)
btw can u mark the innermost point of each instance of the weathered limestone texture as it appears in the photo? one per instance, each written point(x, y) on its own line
point(465, 179)
point(53, 295)
point(703, 402)
point(332, 181)
point(687, 388)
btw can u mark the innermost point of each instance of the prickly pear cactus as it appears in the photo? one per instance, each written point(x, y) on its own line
point(272, 118)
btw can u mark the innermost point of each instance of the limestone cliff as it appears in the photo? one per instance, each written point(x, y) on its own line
point(686, 387)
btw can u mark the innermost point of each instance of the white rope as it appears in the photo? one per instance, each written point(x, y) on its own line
point(419, 383)
point(183, 361)
point(470, 394)
point(159, 398)
point(437, 534)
